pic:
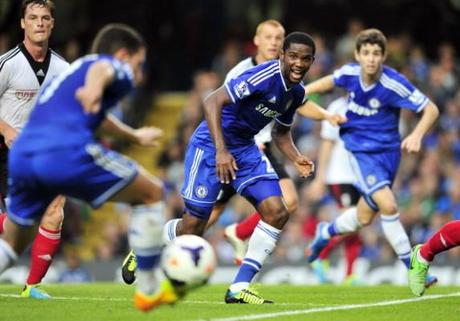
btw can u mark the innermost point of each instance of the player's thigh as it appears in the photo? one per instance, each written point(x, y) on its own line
point(144, 189)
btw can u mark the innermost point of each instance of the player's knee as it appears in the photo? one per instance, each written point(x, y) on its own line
point(276, 215)
point(389, 208)
point(365, 220)
point(53, 218)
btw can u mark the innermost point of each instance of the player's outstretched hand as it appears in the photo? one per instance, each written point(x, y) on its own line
point(304, 165)
point(148, 136)
point(336, 119)
point(90, 98)
point(412, 143)
point(225, 166)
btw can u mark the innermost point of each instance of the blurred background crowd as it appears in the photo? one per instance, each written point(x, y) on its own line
point(193, 44)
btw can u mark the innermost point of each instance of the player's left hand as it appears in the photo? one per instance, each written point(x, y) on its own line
point(148, 136)
point(336, 119)
point(304, 165)
point(412, 143)
point(90, 99)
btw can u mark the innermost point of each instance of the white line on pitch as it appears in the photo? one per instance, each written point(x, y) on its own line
point(333, 308)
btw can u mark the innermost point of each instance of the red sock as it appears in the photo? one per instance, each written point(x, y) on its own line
point(2, 220)
point(447, 237)
point(330, 246)
point(352, 249)
point(245, 228)
point(45, 245)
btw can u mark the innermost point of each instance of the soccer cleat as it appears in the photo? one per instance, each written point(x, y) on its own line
point(417, 272)
point(245, 296)
point(34, 292)
point(320, 268)
point(165, 295)
point(128, 269)
point(239, 246)
point(318, 244)
point(430, 280)
point(352, 280)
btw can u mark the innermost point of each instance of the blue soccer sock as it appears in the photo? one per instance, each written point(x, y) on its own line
point(261, 244)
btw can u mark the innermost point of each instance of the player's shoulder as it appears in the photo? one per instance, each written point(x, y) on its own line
point(58, 58)
point(395, 81)
point(9, 57)
point(350, 69)
point(240, 67)
point(263, 72)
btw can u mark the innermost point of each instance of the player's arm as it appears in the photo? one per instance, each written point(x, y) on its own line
point(314, 111)
point(144, 136)
point(413, 142)
point(9, 133)
point(283, 139)
point(212, 105)
point(320, 86)
point(98, 77)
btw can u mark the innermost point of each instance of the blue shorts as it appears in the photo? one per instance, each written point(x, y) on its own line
point(91, 173)
point(201, 185)
point(374, 171)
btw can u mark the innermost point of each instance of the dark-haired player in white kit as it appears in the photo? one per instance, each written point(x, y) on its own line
point(23, 70)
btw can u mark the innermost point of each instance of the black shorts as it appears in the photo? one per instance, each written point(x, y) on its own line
point(276, 164)
point(345, 195)
point(3, 168)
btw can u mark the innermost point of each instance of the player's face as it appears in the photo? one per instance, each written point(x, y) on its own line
point(370, 57)
point(137, 61)
point(37, 23)
point(296, 61)
point(269, 42)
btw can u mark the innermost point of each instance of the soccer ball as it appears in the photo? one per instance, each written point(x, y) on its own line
point(188, 261)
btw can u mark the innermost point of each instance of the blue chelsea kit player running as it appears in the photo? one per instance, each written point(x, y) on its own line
point(57, 153)
point(377, 93)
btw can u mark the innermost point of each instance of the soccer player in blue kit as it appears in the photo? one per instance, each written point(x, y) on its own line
point(222, 151)
point(57, 153)
point(371, 135)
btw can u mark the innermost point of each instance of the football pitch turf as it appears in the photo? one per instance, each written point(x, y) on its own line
point(109, 301)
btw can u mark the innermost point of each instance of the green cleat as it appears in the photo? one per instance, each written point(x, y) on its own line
point(245, 296)
point(33, 292)
point(128, 269)
point(417, 272)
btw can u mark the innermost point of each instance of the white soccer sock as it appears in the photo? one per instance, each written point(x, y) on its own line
point(7, 256)
point(145, 238)
point(347, 222)
point(169, 230)
point(396, 235)
point(261, 244)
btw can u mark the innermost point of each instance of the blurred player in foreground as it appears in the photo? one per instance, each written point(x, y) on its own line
point(60, 155)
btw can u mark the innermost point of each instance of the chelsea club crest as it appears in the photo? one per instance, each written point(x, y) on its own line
point(201, 191)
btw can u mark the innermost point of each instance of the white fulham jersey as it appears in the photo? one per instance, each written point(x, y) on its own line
point(265, 134)
point(338, 170)
point(20, 80)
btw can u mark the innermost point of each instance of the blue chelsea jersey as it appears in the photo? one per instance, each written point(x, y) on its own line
point(258, 96)
point(373, 111)
point(58, 118)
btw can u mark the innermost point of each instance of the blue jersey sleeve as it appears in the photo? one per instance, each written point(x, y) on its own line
point(245, 85)
point(404, 94)
point(343, 76)
point(123, 81)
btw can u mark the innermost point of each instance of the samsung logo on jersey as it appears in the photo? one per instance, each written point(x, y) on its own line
point(267, 112)
point(360, 110)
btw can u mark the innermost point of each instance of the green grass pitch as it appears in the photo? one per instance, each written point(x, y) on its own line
point(108, 301)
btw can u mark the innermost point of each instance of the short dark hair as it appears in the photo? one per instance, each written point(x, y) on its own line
point(299, 37)
point(115, 36)
point(43, 3)
point(373, 37)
